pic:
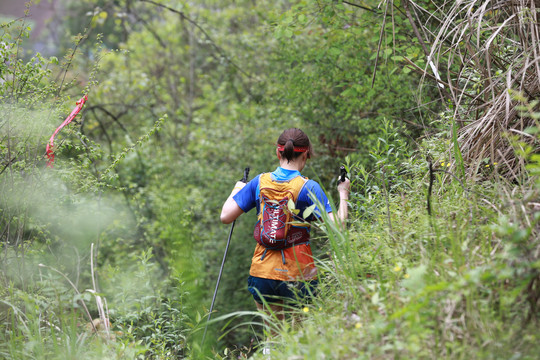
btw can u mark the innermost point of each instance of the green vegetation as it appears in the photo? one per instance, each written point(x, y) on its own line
point(114, 251)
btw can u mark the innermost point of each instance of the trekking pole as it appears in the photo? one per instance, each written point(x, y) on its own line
point(244, 180)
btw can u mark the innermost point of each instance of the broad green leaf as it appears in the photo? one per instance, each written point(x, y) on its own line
point(299, 223)
point(290, 205)
point(375, 298)
point(308, 211)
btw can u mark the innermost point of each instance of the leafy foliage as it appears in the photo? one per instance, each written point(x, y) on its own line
point(183, 97)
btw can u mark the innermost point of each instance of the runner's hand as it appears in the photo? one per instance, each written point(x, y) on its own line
point(343, 188)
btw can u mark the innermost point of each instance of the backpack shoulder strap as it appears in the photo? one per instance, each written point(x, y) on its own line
point(292, 186)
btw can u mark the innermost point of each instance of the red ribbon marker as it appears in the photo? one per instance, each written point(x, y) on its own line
point(50, 144)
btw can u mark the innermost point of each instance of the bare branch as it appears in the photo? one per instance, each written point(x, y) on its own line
point(183, 16)
point(379, 46)
point(361, 7)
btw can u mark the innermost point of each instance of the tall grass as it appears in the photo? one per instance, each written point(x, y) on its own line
point(459, 284)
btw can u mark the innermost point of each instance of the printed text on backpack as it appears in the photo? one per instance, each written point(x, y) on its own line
point(274, 229)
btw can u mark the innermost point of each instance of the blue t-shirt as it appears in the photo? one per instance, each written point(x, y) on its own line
point(248, 197)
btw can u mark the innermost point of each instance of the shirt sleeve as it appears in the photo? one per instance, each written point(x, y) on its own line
point(312, 190)
point(246, 197)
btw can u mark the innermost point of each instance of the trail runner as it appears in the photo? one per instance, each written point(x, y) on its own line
point(282, 275)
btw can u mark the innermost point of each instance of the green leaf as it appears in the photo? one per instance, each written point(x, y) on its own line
point(334, 51)
point(308, 211)
point(375, 298)
point(288, 33)
point(290, 205)
point(299, 223)
point(457, 151)
point(416, 280)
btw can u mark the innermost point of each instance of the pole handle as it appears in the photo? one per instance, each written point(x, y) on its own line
point(343, 173)
point(246, 174)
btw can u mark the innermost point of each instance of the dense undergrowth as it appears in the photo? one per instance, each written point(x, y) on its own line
point(113, 253)
point(460, 283)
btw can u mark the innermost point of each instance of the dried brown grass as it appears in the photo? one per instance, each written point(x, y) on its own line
point(488, 51)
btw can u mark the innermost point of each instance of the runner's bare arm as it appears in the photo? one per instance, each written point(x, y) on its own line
point(231, 211)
